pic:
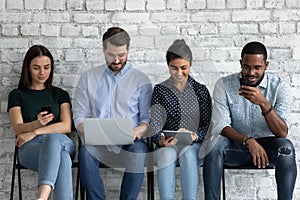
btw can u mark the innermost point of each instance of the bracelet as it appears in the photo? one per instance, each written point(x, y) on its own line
point(267, 112)
point(245, 140)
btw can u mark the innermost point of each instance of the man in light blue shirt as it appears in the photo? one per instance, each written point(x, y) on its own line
point(114, 90)
point(251, 119)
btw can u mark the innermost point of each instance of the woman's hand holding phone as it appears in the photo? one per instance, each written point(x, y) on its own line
point(46, 115)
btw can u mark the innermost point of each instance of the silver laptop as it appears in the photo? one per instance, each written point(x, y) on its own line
point(108, 131)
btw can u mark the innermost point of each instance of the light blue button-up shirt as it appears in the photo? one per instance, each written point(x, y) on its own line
point(101, 94)
point(231, 109)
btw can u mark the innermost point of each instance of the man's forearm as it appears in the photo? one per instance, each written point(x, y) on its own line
point(232, 134)
point(275, 123)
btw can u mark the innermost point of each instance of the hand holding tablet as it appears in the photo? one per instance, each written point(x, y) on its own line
point(183, 137)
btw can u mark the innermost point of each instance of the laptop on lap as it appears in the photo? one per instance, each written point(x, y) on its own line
point(108, 131)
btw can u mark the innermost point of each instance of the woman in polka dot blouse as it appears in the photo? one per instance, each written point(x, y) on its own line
point(179, 104)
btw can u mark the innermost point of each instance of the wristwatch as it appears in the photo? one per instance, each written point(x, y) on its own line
point(245, 140)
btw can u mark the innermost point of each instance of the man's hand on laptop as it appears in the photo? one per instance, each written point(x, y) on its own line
point(139, 131)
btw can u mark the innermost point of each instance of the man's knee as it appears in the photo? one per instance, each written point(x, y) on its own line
point(285, 147)
point(138, 146)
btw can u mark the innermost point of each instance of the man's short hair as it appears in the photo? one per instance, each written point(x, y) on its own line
point(254, 48)
point(116, 36)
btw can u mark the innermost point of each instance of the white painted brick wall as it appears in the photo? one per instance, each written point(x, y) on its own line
point(15, 4)
point(236, 4)
point(156, 4)
point(113, 5)
point(255, 4)
point(50, 30)
point(94, 5)
point(175, 4)
point(30, 29)
point(10, 30)
point(75, 4)
point(216, 4)
point(34, 4)
point(71, 30)
point(55, 5)
point(293, 4)
point(135, 5)
point(215, 29)
point(196, 4)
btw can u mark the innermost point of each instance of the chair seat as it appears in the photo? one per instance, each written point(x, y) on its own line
point(241, 167)
point(246, 167)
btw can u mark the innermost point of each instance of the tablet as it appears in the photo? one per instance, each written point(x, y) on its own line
point(184, 138)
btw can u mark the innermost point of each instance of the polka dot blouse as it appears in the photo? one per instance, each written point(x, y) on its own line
point(172, 109)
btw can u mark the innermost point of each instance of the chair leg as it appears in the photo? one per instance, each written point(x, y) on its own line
point(150, 185)
point(223, 184)
point(13, 181)
point(82, 193)
point(77, 184)
point(19, 184)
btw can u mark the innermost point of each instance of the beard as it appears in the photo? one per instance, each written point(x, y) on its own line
point(115, 69)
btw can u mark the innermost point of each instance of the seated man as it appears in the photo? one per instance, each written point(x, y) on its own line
point(252, 113)
point(114, 90)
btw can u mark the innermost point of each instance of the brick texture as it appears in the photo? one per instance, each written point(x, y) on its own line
point(216, 30)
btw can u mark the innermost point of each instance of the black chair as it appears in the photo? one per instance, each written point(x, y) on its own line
point(18, 167)
point(150, 171)
point(150, 175)
point(244, 167)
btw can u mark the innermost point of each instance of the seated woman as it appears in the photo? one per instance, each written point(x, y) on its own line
point(40, 115)
point(179, 104)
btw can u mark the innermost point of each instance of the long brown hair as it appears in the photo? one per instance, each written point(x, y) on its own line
point(33, 52)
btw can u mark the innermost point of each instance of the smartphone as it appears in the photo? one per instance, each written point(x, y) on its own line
point(245, 81)
point(46, 108)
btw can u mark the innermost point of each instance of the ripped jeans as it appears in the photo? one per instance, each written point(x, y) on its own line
point(281, 155)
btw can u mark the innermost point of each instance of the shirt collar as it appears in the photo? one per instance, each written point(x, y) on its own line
point(264, 81)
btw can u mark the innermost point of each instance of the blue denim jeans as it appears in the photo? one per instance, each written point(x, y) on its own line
point(133, 157)
point(51, 156)
point(166, 159)
point(281, 155)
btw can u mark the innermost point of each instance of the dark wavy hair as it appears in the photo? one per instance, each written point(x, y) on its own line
point(33, 52)
point(179, 49)
point(255, 48)
point(116, 36)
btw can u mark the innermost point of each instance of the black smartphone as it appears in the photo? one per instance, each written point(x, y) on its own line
point(245, 81)
point(46, 108)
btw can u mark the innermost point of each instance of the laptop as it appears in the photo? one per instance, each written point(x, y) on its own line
point(108, 131)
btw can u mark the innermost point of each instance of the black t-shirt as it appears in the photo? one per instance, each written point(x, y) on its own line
point(31, 102)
